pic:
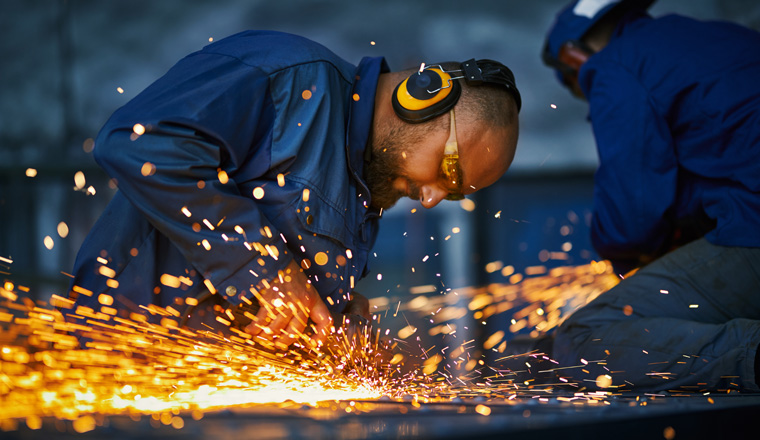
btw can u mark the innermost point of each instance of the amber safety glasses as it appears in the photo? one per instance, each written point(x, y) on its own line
point(450, 169)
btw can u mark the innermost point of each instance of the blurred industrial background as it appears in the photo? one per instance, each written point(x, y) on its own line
point(67, 65)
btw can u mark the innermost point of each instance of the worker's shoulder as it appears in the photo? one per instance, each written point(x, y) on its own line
point(272, 51)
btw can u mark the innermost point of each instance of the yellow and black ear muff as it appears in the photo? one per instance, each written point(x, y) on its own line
point(425, 95)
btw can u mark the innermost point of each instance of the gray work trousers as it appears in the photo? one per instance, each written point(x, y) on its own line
point(689, 320)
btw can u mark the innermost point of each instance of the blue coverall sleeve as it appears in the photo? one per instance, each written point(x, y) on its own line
point(636, 182)
point(206, 124)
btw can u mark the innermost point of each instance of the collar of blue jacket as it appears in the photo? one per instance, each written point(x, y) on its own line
point(361, 114)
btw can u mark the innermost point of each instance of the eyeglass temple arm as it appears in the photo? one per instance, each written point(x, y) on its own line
point(451, 147)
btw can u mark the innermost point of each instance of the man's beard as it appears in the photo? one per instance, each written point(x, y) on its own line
point(384, 168)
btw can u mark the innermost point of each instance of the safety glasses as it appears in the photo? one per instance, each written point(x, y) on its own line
point(450, 169)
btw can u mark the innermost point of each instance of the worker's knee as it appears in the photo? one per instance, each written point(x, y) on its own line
point(569, 339)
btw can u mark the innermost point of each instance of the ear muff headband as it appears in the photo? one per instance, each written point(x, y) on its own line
point(425, 95)
point(491, 72)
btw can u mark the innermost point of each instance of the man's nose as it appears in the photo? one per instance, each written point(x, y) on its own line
point(431, 195)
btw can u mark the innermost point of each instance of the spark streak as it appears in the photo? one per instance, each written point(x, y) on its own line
point(59, 360)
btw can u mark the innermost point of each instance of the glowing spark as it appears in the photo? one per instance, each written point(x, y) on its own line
point(148, 169)
point(106, 271)
point(494, 266)
point(169, 280)
point(428, 288)
point(508, 270)
point(406, 332)
point(53, 377)
point(320, 258)
point(138, 129)
point(604, 381)
point(48, 242)
point(493, 340)
point(258, 193)
point(63, 230)
point(210, 286)
point(553, 105)
point(223, 177)
point(31, 172)
point(119, 89)
point(79, 181)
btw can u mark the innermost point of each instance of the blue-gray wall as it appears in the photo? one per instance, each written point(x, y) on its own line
point(63, 62)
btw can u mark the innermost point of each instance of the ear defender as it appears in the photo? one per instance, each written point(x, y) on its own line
point(425, 95)
point(431, 92)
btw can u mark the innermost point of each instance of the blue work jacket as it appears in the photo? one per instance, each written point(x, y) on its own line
point(248, 154)
point(675, 109)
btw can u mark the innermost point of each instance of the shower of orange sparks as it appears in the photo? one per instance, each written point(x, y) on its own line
point(128, 366)
point(135, 367)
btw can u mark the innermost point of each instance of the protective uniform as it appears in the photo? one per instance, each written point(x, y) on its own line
point(249, 153)
point(675, 109)
point(674, 105)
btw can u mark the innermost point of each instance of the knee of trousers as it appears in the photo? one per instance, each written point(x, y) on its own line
point(570, 339)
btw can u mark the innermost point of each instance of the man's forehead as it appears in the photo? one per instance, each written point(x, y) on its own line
point(484, 154)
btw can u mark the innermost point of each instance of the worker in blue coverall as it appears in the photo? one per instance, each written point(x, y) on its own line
point(252, 175)
point(674, 105)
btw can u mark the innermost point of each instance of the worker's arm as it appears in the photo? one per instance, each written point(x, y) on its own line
point(172, 175)
point(636, 182)
point(202, 132)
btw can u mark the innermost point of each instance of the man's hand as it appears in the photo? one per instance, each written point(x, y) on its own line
point(286, 307)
